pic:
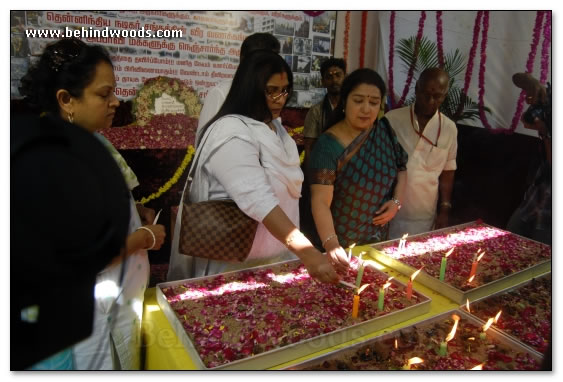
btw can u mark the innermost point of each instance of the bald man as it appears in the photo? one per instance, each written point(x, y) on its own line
point(430, 139)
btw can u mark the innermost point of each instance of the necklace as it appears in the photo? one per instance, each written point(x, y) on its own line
point(421, 135)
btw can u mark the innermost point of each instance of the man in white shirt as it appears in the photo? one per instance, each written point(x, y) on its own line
point(216, 96)
point(430, 139)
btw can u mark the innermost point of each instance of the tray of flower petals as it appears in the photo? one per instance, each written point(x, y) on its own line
point(452, 340)
point(523, 311)
point(261, 317)
point(467, 261)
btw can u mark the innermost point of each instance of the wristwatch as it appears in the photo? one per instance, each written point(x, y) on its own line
point(397, 202)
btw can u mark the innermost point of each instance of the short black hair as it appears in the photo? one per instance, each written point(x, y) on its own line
point(247, 95)
point(338, 62)
point(68, 64)
point(259, 41)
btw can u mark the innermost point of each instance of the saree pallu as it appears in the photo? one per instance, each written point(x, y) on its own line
point(364, 176)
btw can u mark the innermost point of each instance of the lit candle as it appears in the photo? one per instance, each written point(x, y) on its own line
point(478, 367)
point(356, 306)
point(475, 263)
point(443, 265)
point(360, 271)
point(444, 344)
point(467, 306)
point(497, 316)
point(409, 284)
point(412, 361)
point(350, 251)
point(483, 334)
point(402, 243)
point(382, 294)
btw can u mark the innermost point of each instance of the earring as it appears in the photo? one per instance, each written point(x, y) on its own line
point(71, 117)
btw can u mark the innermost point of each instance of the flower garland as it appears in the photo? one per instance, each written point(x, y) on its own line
point(529, 68)
point(472, 51)
point(413, 64)
point(313, 13)
point(153, 88)
point(292, 132)
point(545, 47)
point(482, 71)
point(346, 35)
point(363, 38)
point(172, 181)
point(391, 56)
point(440, 38)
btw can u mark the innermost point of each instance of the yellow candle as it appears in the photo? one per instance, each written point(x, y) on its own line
point(355, 306)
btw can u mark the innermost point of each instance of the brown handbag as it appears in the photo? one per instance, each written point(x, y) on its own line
point(215, 229)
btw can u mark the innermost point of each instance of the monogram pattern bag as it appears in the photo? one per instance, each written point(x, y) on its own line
point(215, 229)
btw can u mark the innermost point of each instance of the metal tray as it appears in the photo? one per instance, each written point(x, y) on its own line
point(491, 333)
point(292, 351)
point(457, 295)
point(507, 290)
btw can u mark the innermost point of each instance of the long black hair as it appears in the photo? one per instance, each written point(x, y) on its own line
point(68, 64)
point(247, 95)
point(352, 81)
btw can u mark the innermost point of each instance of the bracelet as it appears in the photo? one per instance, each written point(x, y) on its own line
point(291, 238)
point(446, 204)
point(153, 237)
point(397, 202)
point(328, 238)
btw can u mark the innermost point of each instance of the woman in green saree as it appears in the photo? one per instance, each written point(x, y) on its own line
point(357, 170)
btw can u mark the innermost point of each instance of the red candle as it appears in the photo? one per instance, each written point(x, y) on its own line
point(409, 290)
point(473, 268)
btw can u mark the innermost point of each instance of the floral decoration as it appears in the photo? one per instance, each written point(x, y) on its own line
point(391, 56)
point(363, 38)
point(482, 73)
point(346, 35)
point(153, 88)
point(440, 38)
point(411, 69)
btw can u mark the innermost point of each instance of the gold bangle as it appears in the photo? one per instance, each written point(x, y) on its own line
point(328, 239)
point(446, 204)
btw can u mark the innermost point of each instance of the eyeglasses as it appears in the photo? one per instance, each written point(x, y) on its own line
point(275, 95)
point(65, 51)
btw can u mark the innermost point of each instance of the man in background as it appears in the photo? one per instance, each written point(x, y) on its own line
point(216, 96)
point(333, 72)
point(430, 139)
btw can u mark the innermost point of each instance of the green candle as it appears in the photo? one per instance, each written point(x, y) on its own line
point(359, 276)
point(443, 348)
point(443, 268)
point(381, 299)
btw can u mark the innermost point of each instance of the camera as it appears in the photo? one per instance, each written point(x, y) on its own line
point(533, 112)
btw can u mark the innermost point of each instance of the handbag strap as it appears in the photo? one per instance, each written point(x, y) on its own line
point(198, 154)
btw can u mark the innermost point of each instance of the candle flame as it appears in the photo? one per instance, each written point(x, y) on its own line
point(387, 283)
point(449, 252)
point(480, 256)
point(416, 273)
point(362, 288)
point(361, 254)
point(414, 360)
point(454, 328)
point(478, 367)
point(488, 324)
point(396, 344)
point(470, 280)
point(404, 236)
point(497, 316)
point(467, 305)
point(352, 246)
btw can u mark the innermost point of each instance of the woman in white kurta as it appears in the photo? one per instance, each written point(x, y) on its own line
point(246, 154)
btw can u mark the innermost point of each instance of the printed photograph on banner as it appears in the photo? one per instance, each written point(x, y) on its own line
point(317, 62)
point(289, 59)
point(283, 27)
point(18, 45)
point(321, 23)
point(18, 68)
point(246, 24)
point(316, 80)
point(302, 64)
point(301, 81)
point(321, 44)
point(286, 44)
point(302, 46)
point(17, 22)
point(303, 28)
point(32, 18)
